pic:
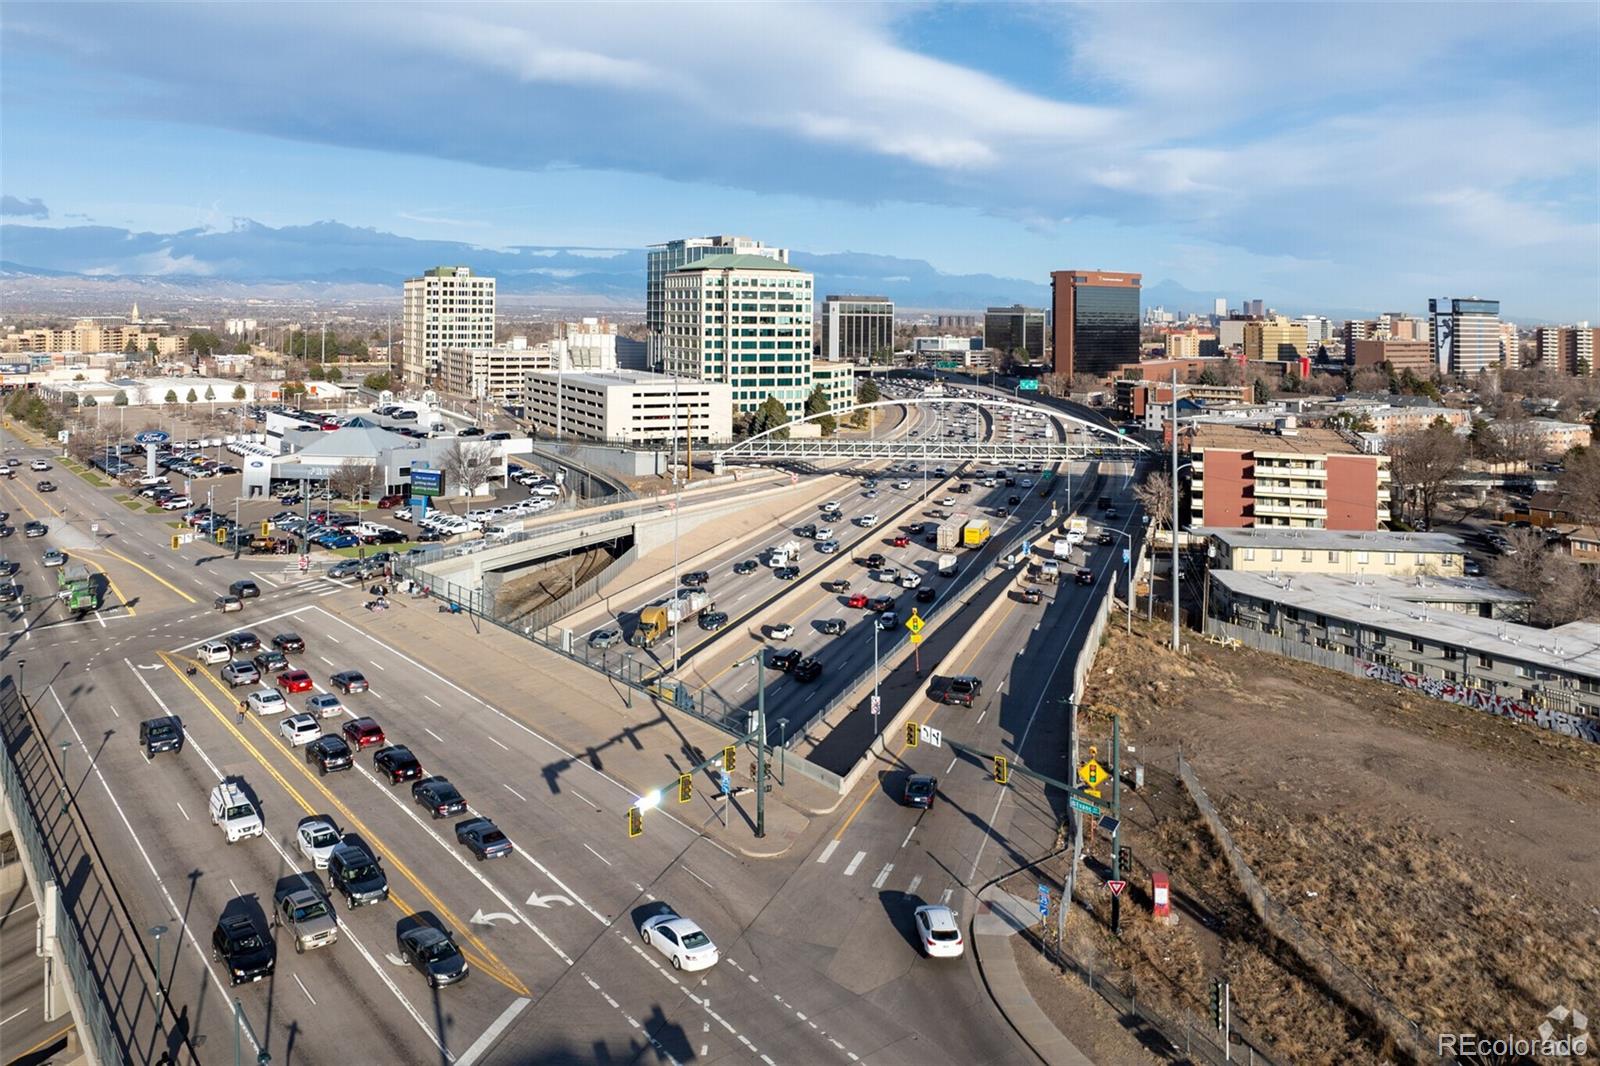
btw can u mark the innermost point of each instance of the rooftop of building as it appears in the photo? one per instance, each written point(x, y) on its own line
point(1300, 440)
point(862, 299)
point(1333, 539)
point(602, 379)
point(1401, 605)
point(730, 261)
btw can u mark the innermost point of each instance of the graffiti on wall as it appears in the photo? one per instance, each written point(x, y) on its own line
point(1572, 725)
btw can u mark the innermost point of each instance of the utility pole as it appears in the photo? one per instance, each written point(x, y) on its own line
point(1077, 830)
point(761, 745)
point(1116, 812)
point(1174, 510)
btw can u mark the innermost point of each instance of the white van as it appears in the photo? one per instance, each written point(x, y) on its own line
point(232, 810)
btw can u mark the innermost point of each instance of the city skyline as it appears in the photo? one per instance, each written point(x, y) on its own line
point(1162, 141)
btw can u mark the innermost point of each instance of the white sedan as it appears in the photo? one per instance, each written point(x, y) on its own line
point(318, 838)
point(680, 940)
point(268, 701)
point(299, 729)
point(781, 631)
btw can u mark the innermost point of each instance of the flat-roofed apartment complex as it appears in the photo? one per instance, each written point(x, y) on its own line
point(628, 407)
point(1285, 476)
point(1262, 550)
point(743, 320)
point(447, 307)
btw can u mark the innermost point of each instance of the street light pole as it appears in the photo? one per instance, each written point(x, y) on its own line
point(158, 931)
point(876, 703)
point(761, 745)
point(65, 744)
point(1174, 509)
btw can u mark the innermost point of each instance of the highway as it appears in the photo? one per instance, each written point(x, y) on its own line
point(812, 970)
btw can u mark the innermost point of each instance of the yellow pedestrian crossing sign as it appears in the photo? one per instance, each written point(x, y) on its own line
point(915, 623)
point(1091, 774)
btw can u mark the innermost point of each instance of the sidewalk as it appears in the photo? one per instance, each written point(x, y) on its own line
point(587, 715)
point(1001, 915)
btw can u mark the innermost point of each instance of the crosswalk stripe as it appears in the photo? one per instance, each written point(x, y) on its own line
point(911, 889)
point(851, 869)
point(883, 875)
point(827, 852)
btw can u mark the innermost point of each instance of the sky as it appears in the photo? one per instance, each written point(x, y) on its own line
point(1349, 155)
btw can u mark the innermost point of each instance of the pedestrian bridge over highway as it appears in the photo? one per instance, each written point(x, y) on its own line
point(1072, 439)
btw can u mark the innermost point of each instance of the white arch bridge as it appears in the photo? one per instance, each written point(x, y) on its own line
point(1071, 438)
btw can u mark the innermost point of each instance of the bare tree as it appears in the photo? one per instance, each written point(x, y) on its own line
point(468, 465)
point(1580, 482)
point(1421, 463)
point(1520, 441)
point(1369, 379)
point(1154, 494)
point(354, 481)
point(1555, 583)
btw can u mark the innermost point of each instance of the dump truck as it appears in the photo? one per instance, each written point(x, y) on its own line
point(948, 536)
point(976, 535)
point(784, 554)
point(947, 564)
point(75, 586)
point(657, 620)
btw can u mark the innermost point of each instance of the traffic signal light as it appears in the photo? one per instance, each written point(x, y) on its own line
point(1002, 769)
point(222, 535)
point(911, 734)
point(730, 758)
point(1125, 859)
point(635, 821)
point(1216, 1003)
point(266, 527)
point(685, 788)
point(176, 541)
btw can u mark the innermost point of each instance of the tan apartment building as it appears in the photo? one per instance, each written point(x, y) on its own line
point(1377, 553)
point(1276, 339)
point(447, 307)
point(1569, 349)
point(1190, 344)
point(1285, 476)
point(88, 336)
point(1413, 355)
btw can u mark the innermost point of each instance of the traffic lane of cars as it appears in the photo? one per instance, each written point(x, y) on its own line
point(164, 802)
point(543, 831)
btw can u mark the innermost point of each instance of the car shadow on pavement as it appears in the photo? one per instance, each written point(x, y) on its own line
point(899, 907)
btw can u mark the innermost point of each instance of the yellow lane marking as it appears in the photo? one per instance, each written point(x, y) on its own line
point(487, 960)
point(47, 1041)
point(972, 654)
point(145, 569)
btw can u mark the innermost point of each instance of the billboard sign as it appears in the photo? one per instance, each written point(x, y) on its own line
point(427, 482)
point(152, 436)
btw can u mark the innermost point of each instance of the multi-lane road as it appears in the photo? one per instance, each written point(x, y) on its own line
point(817, 963)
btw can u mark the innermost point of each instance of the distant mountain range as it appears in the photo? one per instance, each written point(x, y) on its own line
point(333, 261)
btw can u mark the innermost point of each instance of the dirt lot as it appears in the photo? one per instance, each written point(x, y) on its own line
point(1449, 857)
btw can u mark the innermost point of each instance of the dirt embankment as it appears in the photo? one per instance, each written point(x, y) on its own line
point(1450, 858)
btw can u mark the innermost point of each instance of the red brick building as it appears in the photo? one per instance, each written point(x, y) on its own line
point(1309, 478)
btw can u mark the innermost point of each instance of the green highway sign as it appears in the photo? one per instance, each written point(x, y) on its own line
point(947, 364)
point(1028, 384)
point(1083, 806)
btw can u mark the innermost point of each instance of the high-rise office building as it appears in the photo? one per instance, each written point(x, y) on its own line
point(1221, 307)
point(1095, 321)
point(1015, 329)
point(447, 307)
point(1464, 334)
point(1255, 308)
point(741, 319)
point(662, 259)
point(855, 328)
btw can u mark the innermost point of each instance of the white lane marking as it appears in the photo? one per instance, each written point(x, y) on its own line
point(432, 734)
point(497, 744)
point(276, 585)
point(514, 723)
point(883, 875)
point(333, 638)
point(376, 663)
point(599, 856)
point(235, 887)
point(827, 852)
point(253, 621)
point(15, 1016)
point(498, 1026)
point(911, 889)
point(851, 869)
point(982, 716)
point(514, 792)
point(945, 899)
point(113, 710)
point(584, 798)
point(907, 840)
point(697, 877)
point(181, 811)
point(431, 700)
point(537, 865)
point(306, 990)
point(952, 765)
point(455, 854)
point(325, 659)
point(172, 906)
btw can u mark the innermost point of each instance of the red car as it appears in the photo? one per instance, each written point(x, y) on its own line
point(295, 681)
point(859, 599)
point(391, 501)
point(901, 541)
point(363, 732)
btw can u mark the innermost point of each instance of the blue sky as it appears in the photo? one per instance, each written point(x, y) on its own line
point(1343, 155)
